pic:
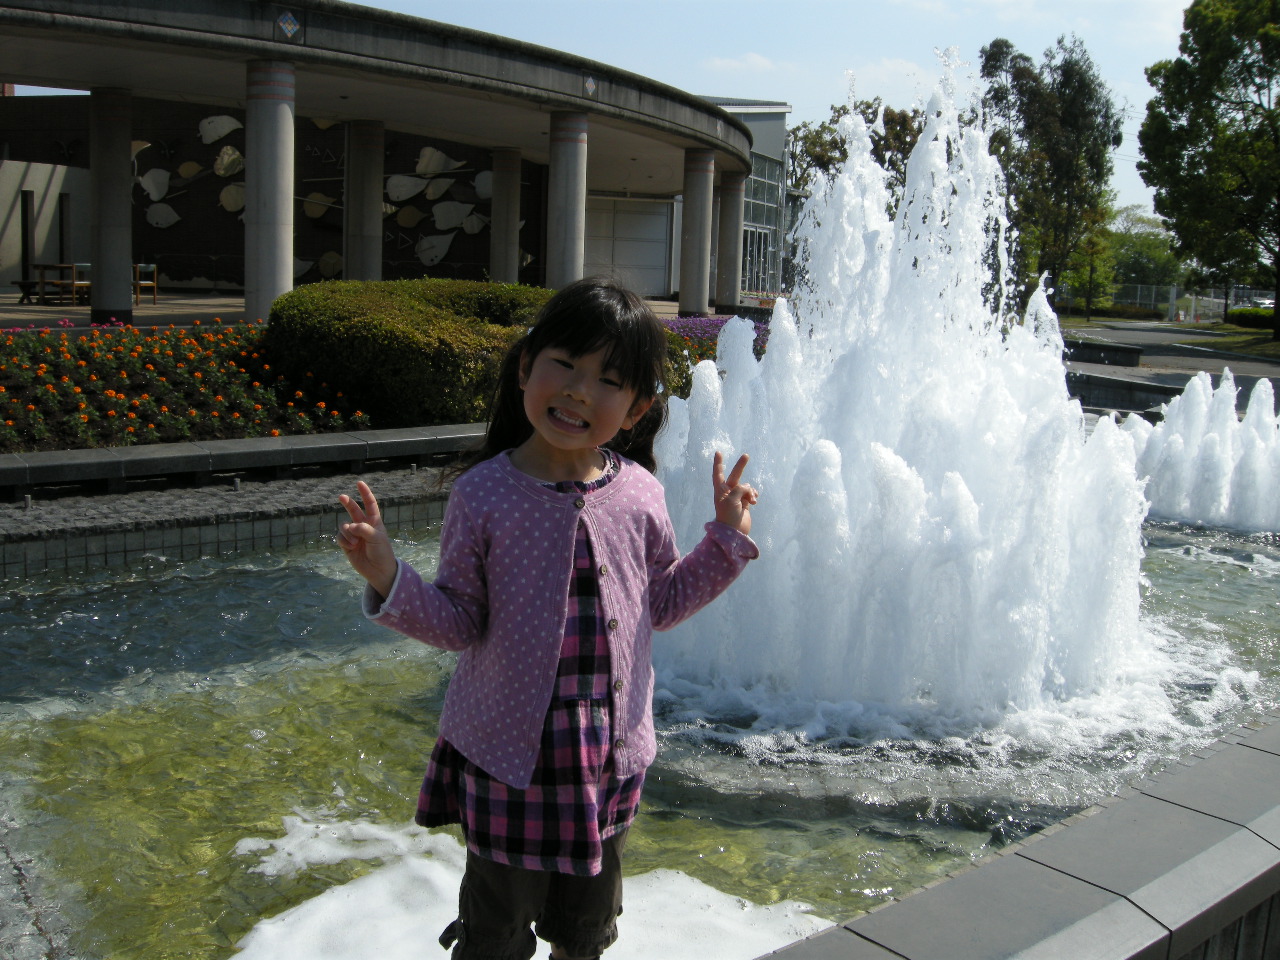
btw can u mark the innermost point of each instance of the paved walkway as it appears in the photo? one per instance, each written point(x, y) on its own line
point(181, 309)
point(1167, 361)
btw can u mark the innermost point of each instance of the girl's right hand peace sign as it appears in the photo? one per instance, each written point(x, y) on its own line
point(365, 542)
point(733, 498)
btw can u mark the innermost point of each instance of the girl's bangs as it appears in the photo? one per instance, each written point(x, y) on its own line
point(630, 349)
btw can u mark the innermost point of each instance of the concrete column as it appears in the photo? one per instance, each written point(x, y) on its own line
point(695, 232)
point(362, 201)
point(111, 214)
point(268, 186)
point(567, 199)
point(729, 261)
point(504, 227)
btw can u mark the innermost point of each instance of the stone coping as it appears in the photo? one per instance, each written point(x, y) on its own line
point(19, 472)
point(1184, 864)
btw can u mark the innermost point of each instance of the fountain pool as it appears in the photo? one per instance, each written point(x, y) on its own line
point(152, 722)
point(960, 630)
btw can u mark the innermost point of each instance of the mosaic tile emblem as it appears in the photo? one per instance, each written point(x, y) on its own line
point(288, 24)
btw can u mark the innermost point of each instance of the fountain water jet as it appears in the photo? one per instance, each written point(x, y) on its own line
point(1206, 464)
point(945, 544)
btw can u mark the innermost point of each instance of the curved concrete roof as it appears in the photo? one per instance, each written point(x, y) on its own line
point(358, 63)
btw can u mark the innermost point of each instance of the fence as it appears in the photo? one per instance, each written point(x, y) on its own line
point(1177, 303)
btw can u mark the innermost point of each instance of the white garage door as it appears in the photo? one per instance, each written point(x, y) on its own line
point(630, 240)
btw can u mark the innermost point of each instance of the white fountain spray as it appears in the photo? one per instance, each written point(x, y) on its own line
point(1208, 466)
point(944, 542)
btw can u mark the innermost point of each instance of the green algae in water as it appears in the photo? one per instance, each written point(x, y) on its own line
point(140, 806)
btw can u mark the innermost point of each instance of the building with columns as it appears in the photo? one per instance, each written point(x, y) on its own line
point(323, 138)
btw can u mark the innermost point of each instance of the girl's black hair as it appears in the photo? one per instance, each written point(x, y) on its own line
point(595, 313)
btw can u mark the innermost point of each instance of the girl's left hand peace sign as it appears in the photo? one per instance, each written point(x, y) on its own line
point(733, 498)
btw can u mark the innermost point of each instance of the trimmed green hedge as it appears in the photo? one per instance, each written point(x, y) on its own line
point(1117, 311)
point(406, 352)
point(1257, 318)
point(412, 352)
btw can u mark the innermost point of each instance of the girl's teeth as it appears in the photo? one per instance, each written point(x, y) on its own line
point(567, 419)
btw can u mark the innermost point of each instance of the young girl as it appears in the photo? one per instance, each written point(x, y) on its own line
point(557, 560)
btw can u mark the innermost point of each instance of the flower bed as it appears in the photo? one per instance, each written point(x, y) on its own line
point(697, 335)
point(121, 385)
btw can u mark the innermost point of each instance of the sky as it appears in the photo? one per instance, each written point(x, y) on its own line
point(810, 53)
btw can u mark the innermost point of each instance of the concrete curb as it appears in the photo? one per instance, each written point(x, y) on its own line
point(114, 466)
point(1184, 865)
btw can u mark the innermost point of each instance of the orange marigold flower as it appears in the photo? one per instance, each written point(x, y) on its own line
point(274, 433)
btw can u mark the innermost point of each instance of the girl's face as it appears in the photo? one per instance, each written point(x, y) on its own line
point(575, 403)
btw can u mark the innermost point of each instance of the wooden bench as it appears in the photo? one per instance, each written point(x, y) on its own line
point(27, 289)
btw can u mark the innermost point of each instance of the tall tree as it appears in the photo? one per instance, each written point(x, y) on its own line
point(1054, 129)
point(1143, 249)
point(1211, 138)
point(818, 149)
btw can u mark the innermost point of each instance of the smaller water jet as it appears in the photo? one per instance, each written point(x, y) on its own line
point(1208, 466)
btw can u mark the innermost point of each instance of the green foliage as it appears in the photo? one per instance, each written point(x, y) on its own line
point(1114, 311)
point(1256, 318)
point(1091, 271)
point(1056, 127)
point(680, 366)
point(1143, 249)
point(409, 352)
point(1211, 137)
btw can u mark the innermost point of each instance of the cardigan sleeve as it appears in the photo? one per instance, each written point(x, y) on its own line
point(451, 612)
point(681, 586)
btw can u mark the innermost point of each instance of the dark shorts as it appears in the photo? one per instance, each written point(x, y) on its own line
point(497, 904)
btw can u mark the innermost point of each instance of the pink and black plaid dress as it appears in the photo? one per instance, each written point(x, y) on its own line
point(574, 801)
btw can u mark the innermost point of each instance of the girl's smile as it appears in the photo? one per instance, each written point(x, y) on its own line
point(575, 404)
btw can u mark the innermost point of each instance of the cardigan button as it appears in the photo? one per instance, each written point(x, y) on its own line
point(618, 686)
point(619, 744)
point(613, 624)
point(604, 570)
point(580, 503)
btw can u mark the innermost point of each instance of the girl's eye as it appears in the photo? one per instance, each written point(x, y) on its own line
point(564, 363)
point(611, 382)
